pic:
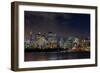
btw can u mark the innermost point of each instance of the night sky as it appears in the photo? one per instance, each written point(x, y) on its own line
point(63, 24)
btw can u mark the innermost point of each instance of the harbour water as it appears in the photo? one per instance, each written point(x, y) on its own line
point(43, 56)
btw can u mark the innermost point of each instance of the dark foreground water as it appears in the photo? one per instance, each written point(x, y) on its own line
point(42, 56)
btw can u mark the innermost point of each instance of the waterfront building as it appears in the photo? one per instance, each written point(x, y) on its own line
point(85, 43)
point(27, 43)
point(52, 40)
point(40, 41)
point(61, 43)
point(68, 44)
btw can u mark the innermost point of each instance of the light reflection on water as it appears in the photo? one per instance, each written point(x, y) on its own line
point(42, 56)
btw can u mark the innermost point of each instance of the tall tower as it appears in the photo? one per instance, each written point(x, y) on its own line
point(31, 38)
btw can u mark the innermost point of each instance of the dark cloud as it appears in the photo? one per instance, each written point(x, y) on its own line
point(64, 24)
